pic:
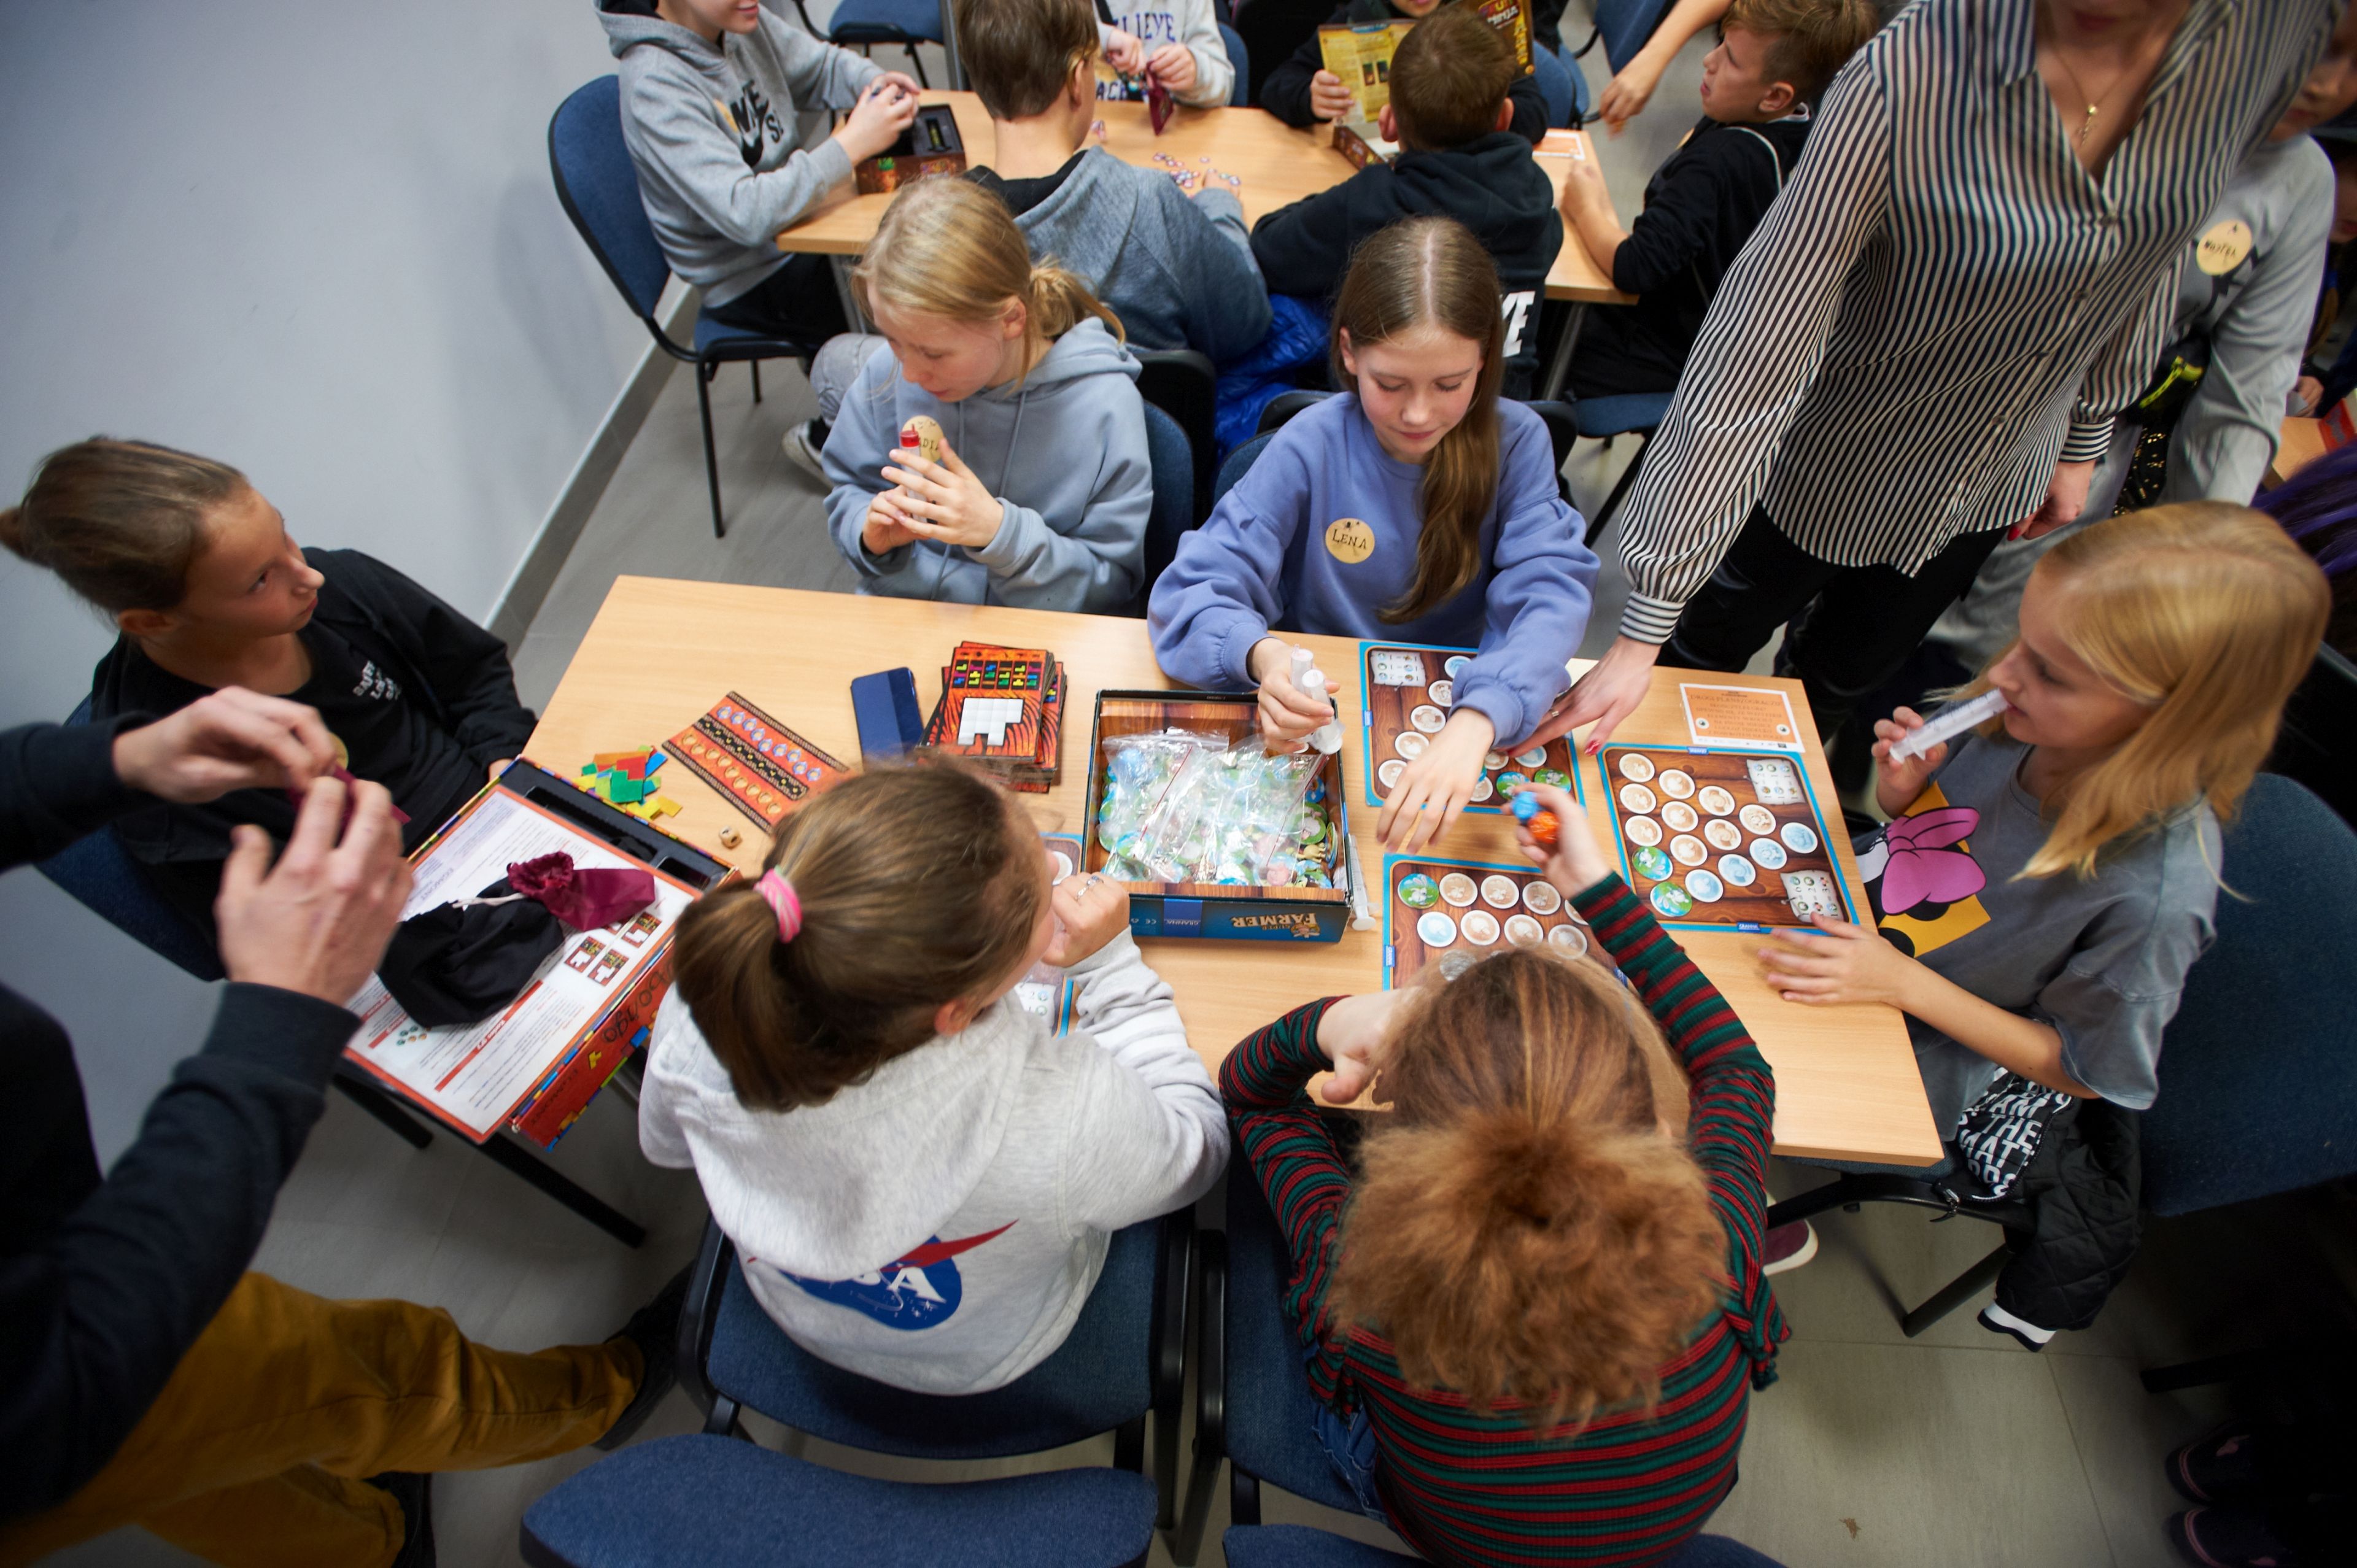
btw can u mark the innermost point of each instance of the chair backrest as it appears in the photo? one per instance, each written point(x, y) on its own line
point(598, 187)
point(2258, 1078)
point(97, 873)
point(886, 21)
point(1285, 405)
point(2318, 743)
point(1174, 498)
point(1238, 460)
point(1626, 25)
point(1182, 383)
point(1239, 96)
point(1555, 86)
point(1563, 430)
point(1271, 1416)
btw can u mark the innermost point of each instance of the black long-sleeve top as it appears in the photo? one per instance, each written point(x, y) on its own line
point(1284, 91)
point(105, 1282)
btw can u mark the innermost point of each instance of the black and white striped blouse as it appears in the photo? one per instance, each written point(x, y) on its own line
point(1944, 303)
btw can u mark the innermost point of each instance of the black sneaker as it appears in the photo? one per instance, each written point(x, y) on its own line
point(2221, 1467)
point(804, 444)
point(414, 1493)
point(655, 1329)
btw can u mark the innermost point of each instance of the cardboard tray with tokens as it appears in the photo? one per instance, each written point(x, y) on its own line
point(1456, 912)
point(1408, 690)
point(1721, 840)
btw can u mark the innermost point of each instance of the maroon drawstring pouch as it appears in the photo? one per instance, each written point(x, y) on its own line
point(583, 899)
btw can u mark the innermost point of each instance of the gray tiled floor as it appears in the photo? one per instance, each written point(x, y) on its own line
point(1956, 1450)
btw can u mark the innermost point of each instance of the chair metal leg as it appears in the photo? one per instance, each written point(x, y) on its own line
point(1620, 488)
point(1243, 1497)
point(2209, 1370)
point(1559, 367)
point(703, 375)
point(1211, 1395)
point(1172, 1311)
point(1129, 1447)
point(1959, 1290)
point(379, 1104)
point(916, 64)
point(756, 379)
point(563, 1188)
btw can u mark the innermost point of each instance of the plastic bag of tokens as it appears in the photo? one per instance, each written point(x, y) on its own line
point(1139, 770)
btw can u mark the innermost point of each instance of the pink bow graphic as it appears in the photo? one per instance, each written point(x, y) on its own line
point(1921, 868)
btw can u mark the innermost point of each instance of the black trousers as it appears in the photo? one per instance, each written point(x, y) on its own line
point(797, 302)
point(1851, 627)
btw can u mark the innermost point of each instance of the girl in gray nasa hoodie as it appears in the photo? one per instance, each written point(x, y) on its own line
point(1057, 449)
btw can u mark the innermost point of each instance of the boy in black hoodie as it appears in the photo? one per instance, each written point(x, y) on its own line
point(1302, 92)
point(1448, 111)
point(1774, 57)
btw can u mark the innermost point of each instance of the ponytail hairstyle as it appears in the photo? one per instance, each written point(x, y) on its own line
point(2208, 614)
point(948, 248)
point(1431, 272)
point(915, 886)
point(1521, 1229)
point(121, 522)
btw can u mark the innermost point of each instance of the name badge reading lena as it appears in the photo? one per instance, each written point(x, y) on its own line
point(2222, 247)
point(1350, 541)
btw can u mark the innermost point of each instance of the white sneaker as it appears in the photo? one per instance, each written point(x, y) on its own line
point(804, 444)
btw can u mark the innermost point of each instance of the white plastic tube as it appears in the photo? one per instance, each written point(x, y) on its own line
point(1949, 721)
point(1326, 738)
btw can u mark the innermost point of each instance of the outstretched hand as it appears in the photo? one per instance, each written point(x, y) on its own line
point(1607, 693)
point(317, 922)
point(230, 739)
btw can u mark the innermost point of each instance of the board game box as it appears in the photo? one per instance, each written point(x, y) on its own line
point(1453, 913)
point(1408, 691)
point(1721, 840)
point(1002, 709)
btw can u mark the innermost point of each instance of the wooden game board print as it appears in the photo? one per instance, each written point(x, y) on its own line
point(1453, 914)
point(1719, 840)
point(763, 767)
point(1409, 692)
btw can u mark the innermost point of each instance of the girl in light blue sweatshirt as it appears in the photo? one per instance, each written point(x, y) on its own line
point(994, 452)
point(1420, 508)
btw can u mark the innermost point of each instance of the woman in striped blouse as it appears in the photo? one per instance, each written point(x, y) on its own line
point(1533, 1324)
point(1925, 341)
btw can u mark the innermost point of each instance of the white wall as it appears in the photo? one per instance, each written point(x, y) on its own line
point(315, 241)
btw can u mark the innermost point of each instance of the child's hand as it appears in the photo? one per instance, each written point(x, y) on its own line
point(1124, 52)
point(876, 122)
point(1897, 783)
point(1173, 65)
point(943, 500)
point(1625, 96)
point(1329, 99)
point(1288, 714)
point(1583, 186)
point(885, 529)
point(501, 766)
point(1436, 786)
point(1090, 912)
point(1836, 963)
point(2306, 393)
point(1577, 865)
point(1355, 1035)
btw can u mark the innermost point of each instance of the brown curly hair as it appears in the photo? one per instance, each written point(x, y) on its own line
point(1528, 1225)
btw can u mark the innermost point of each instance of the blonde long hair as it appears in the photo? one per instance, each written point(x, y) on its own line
point(948, 248)
point(2206, 615)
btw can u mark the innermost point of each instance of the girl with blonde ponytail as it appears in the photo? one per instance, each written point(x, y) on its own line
point(1532, 1321)
point(994, 451)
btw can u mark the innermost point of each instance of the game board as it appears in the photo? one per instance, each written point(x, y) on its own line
point(1408, 691)
point(1475, 907)
point(1720, 840)
point(764, 769)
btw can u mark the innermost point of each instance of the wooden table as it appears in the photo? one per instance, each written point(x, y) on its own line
point(1278, 164)
point(2299, 443)
point(660, 652)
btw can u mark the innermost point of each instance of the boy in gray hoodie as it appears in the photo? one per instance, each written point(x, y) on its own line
point(724, 109)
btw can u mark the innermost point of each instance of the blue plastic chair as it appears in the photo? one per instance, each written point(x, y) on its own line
point(1174, 498)
point(699, 1500)
point(1240, 95)
point(1556, 85)
point(1604, 418)
point(1298, 1546)
point(598, 187)
point(1182, 383)
point(1238, 462)
point(1624, 27)
point(1124, 1361)
point(863, 24)
point(1560, 418)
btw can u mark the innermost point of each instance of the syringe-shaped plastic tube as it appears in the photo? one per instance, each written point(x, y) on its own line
point(1948, 721)
point(1326, 738)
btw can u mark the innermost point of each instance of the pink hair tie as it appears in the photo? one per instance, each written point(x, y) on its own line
point(783, 901)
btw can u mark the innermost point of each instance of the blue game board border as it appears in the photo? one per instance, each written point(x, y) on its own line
point(1620, 841)
point(1367, 728)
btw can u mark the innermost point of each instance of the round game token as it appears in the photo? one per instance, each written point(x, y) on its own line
point(1063, 865)
point(1453, 964)
point(1637, 798)
point(1687, 850)
point(1736, 871)
point(1435, 930)
point(1523, 931)
point(1483, 789)
point(1479, 926)
point(1642, 830)
point(1722, 833)
point(1541, 898)
point(1456, 889)
point(1669, 901)
point(1636, 767)
point(1678, 817)
point(1651, 863)
point(1510, 782)
point(1758, 819)
point(1532, 757)
point(1677, 783)
point(1768, 853)
point(1715, 801)
point(1418, 891)
point(1706, 889)
point(1410, 744)
point(1492, 760)
point(1442, 692)
point(1555, 776)
point(1390, 772)
point(1799, 837)
point(1455, 663)
point(1428, 718)
point(1567, 938)
point(1500, 892)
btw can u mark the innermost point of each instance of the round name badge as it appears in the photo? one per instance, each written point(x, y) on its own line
point(2222, 247)
point(1350, 541)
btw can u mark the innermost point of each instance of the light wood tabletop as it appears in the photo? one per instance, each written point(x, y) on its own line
point(1277, 165)
point(660, 652)
point(2299, 443)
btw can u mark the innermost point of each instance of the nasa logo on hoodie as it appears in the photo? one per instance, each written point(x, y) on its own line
point(919, 1290)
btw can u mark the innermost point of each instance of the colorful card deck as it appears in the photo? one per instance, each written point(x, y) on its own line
point(764, 769)
point(1721, 840)
point(1002, 708)
point(1409, 690)
point(1454, 913)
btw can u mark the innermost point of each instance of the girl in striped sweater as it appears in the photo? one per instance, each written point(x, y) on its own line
point(1534, 1319)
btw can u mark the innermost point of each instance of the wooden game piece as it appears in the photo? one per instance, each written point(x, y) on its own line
point(1543, 828)
point(730, 838)
point(923, 433)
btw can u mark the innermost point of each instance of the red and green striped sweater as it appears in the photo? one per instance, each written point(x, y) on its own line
point(1469, 1487)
